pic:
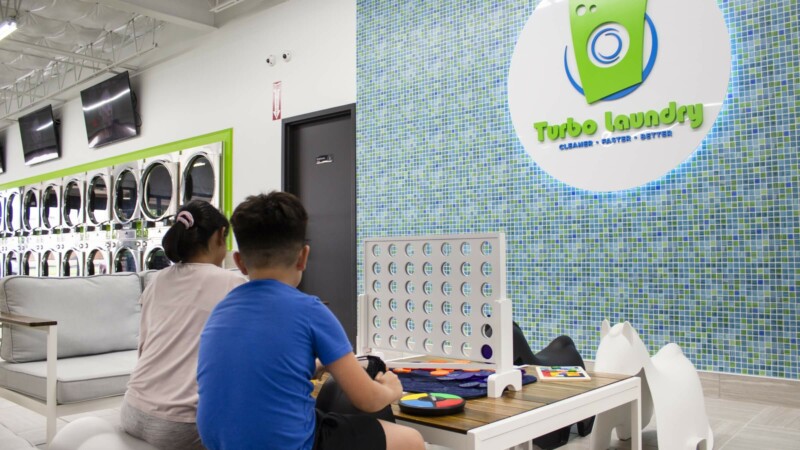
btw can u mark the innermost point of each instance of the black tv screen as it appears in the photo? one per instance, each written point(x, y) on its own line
point(109, 111)
point(39, 136)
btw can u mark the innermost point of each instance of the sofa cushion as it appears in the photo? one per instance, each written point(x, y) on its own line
point(97, 314)
point(78, 379)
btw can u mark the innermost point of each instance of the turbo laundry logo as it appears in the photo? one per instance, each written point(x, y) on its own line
point(608, 38)
point(603, 101)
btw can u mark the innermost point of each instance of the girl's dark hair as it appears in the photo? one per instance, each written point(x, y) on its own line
point(182, 243)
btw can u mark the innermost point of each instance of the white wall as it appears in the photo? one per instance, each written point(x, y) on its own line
point(225, 82)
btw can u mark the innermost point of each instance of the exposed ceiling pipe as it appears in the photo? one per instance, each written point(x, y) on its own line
point(224, 5)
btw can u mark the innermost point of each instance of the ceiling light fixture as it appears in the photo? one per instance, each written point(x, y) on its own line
point(7, 27)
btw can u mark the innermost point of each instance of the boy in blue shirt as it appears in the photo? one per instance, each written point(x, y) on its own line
point(258, 350)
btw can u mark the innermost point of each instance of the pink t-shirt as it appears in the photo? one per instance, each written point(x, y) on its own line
point(175, 307)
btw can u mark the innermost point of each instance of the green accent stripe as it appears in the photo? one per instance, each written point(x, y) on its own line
point(224, 136)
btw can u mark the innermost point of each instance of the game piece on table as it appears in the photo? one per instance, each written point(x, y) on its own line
point(562, 373)
point(440, 372)
point(401, 370)
point(433, 404)
point(469, 384)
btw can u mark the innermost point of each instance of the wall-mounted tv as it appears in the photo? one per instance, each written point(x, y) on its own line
point(39, 132)
point(109, 109)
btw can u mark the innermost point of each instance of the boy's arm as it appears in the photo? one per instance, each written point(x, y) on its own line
point(366, 394)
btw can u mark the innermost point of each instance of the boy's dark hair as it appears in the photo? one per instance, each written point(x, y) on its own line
point(270, 229)
point(181, 242)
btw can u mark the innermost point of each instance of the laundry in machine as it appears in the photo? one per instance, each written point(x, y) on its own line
point(98, 198)
point(11, 259)
point(201, 174)
point(159, 189)
point(31, 209)
point(127, 252)
point(125, 196)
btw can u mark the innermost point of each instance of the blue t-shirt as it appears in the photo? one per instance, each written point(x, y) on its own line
point(256, 359)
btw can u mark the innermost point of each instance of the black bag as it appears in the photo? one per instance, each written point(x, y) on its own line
point(332, 399)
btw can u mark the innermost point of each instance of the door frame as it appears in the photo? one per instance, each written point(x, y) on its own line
point(287, 126)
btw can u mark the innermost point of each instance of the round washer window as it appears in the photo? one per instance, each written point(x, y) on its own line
point(72, 265)
point(97, 209)
point(126, 192)
point(50, 212)
point(157, 191)
point(72, 204)
point(157, 260)
point(49, 264)
point(30, 210)
point(12, 265)
point(198, 180)
point(125, 261)
point(12, 212)
point(96, 263)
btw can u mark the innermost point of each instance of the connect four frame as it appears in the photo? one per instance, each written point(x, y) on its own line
point(440, 296)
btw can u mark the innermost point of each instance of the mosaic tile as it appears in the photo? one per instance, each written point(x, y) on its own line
point(706, 257)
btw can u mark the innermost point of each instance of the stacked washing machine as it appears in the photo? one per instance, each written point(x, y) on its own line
point(107, 220)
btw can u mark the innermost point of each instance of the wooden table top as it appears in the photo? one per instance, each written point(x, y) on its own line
point(482, 411)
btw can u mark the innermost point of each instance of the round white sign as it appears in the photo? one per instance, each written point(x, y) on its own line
point(607, 95)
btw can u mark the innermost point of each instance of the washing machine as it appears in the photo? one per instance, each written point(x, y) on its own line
point(155, 258)
point(127, 252)
point(51, 206)
point(98, 198)
point(159, 189)
point(31, 209)
point(13, 213)
point(201, 174)
point(125, 196)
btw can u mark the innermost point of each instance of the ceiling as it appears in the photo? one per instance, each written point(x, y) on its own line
point(62, 46)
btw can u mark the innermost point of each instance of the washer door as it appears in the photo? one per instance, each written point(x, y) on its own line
point(156, 259)
point(199, 180)
point(12, 212)
point(30, 210)
point(126, 195)
point(51, 214)
point(71, 265)
point(11, 264)
point(30, 264)
point(97, 262)
point(73, 203)
point(157, 191)
point(49, 264)
point(97, 208)
point(125, 261)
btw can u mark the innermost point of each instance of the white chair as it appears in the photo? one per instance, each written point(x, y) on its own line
point(670, 388)
point(94, 433)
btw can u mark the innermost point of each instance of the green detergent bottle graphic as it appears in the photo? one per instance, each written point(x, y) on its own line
point(608, 42)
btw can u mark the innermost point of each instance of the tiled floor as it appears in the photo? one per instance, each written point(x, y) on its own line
point(736, 425)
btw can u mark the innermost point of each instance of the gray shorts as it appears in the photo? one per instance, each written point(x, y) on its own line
point(161, 433)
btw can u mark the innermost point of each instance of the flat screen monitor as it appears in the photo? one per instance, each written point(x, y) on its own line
point(109, 111)
point(39, 134)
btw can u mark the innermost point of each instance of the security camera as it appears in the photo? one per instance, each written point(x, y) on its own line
point(271, 60)
point(286, 56)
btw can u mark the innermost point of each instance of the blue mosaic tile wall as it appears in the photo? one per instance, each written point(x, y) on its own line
point(707, 257)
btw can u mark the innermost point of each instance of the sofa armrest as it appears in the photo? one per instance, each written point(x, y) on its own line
point(26, 321)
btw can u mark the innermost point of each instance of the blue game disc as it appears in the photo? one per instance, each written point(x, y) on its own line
point(469, 384)
point(446, 378)
point(483, 385)
point(462, 375)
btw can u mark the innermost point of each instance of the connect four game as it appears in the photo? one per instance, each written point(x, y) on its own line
point(442, 299)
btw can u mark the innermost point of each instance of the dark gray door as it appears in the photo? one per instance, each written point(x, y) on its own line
point(320, 168)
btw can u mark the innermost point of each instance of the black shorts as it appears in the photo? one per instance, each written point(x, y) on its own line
point(348, 432)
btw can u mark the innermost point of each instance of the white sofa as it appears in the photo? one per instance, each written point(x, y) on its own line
point(68, 345)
